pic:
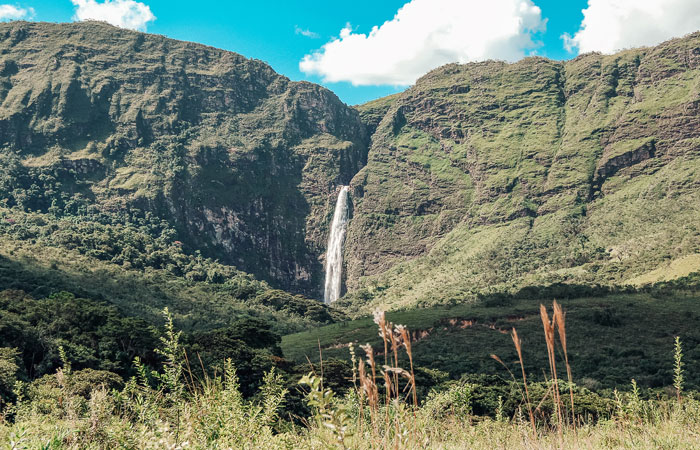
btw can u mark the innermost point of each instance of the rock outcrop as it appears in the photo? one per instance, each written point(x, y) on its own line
point(485, 177)
point(493, 176)
point(241, 160)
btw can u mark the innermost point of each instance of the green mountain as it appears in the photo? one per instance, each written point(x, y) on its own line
point(492, 177)
point(138, 173)
point(238, 160)
point(161, 158)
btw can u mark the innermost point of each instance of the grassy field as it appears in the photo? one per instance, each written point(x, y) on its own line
point(611, 339)
point(168, 408)
point(677, 430)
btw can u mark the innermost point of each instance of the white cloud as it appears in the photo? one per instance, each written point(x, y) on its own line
point(611, 25)
point(11, 12)
point(425, 34)
point(306, 32)
point(122, 13)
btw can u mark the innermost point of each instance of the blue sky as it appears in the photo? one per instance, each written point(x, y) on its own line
point(282, 33)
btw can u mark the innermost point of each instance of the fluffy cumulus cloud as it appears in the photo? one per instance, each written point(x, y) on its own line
point(122, 13)
point(425, 34)
point(610, 25)
point(11, 12)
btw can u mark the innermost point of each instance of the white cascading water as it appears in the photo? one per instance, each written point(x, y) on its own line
point(334, 254)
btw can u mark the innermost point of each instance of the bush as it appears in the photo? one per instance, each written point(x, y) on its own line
point(9, 370)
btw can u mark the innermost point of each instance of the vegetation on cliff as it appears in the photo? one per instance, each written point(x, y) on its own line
point(491, 177)
point(481, 178)
point(116, 125)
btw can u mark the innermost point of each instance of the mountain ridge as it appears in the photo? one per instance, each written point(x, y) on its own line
point(221, 146)
point(483, 177)
point(479, 167)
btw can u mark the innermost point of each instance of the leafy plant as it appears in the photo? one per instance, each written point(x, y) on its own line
point(678, 377)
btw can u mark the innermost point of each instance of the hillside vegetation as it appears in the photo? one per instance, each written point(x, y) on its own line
point(93, 293)
point(489, 177)
point(613, 337)
point(238, 160)
point(173, 408)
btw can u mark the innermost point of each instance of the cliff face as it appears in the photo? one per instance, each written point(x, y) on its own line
point(482, 177)
point(103, 121)
point(494, 176)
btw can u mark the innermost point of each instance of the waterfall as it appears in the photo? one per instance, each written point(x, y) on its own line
point(334, 254)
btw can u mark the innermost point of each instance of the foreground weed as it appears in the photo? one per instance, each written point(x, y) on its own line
point(165, 409)
point(678, 378)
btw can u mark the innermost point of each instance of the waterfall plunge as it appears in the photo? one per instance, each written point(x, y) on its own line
point(334, 254)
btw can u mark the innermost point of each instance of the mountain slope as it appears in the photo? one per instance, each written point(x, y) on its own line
point(139, 270)
point(482, 178)
point(238, 159)
point(611, 338)
point(492, 176)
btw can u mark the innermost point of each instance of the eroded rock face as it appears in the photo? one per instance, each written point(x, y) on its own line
point(547, 150)
point(610, 164)
point(482, 177)
point(241, 160)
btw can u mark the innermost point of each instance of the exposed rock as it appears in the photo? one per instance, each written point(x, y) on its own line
point(240, 159)
point(491, 176)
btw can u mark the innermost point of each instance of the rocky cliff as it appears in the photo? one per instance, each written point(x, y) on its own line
point(492, 176)
point(482, 178)
point(242, 161)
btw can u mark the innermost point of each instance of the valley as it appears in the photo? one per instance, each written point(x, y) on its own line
point(186, 227)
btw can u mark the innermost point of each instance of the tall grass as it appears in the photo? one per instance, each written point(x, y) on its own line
point(519, 348)
point(172, 408)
